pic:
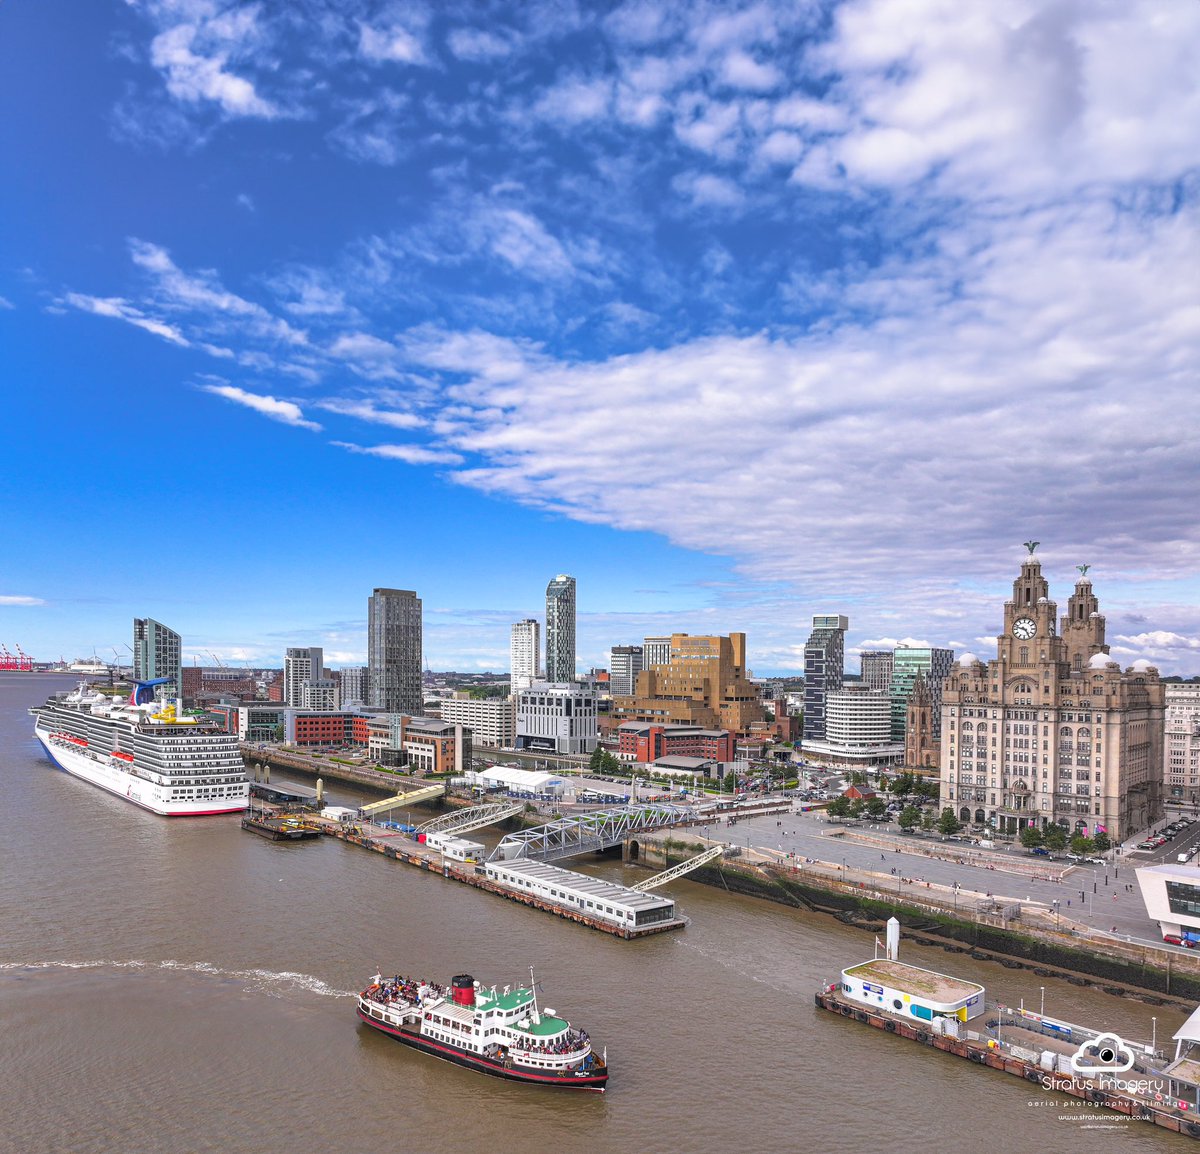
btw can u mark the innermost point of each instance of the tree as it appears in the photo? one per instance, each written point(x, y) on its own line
point(876, 807)
point(1054, 837)
point(1102, 842)
point(928, 821)
point(856, 808)
point(910, 817)
point(597, 759)
point(948, 823)
point(883, 781)
point(928, 789)
point(1031, 837)
point(1082, 845)
point(839, 807)
point(903, 784)
point(730, 782)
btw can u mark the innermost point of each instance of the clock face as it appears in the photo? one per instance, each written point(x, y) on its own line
point(1024, 628)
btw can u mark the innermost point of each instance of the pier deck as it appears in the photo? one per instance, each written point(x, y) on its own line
point(399, 846)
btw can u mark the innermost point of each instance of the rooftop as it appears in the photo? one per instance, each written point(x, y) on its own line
point(591, 887)
point(937, 987)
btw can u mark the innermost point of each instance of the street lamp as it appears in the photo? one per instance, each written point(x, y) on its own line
point(1154, 1034)
point(1042, 1011)
point(1056, 904)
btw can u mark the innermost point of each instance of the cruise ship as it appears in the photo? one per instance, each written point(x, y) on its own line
point(144, 749)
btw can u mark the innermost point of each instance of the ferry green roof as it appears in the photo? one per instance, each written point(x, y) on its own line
point(547, 1025)
point(510, 1001)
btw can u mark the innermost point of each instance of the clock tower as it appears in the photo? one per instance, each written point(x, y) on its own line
point(1029, 638)
point(1052, 730)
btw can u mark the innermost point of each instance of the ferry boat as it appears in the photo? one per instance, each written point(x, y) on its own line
point(144, 749)
point(502, 1033)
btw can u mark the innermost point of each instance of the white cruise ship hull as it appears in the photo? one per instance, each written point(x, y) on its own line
point(102, 772)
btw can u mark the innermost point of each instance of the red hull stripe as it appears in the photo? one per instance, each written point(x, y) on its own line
point(420, 1043)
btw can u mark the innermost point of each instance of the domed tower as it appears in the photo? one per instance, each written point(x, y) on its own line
point(1083, 625)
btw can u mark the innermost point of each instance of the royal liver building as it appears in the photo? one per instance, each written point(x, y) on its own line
point(1053, 729)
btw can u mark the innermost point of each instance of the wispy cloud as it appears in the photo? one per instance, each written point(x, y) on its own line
point(286, 412)
point(409, 454)
point(367, 411)
point(122, 310)
point(19, 599)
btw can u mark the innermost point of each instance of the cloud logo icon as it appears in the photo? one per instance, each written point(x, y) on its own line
point(1104, 1054)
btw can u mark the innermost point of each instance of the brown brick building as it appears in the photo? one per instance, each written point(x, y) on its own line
point(704, 685)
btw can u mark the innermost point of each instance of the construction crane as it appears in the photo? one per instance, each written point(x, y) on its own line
point(220, 663)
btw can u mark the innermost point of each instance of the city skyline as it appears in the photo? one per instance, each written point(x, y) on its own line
point(738, 313)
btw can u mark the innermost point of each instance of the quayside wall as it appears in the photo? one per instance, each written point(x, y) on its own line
point(1120, 964)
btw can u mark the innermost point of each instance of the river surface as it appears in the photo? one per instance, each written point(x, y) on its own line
point(181, 985)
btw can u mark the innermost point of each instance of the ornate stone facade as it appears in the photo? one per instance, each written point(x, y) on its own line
point(1052, 730)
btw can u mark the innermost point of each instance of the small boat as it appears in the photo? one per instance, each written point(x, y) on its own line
point(502, 1033)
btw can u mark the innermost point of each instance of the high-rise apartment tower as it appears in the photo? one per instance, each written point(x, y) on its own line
point(560, 629)
point(394, 651)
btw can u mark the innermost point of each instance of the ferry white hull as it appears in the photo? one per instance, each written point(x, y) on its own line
point(103, 773)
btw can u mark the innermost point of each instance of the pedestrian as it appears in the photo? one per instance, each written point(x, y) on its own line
point(882, 858)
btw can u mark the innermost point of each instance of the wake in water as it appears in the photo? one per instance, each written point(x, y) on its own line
point(276, 984)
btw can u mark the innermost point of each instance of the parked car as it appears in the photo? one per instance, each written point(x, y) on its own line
point(1040, 851)
point(1173, 939)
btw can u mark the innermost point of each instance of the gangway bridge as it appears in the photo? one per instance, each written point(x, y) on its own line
point(600, 829)
point(411, 797)
point(474, 817)
point(679, 870)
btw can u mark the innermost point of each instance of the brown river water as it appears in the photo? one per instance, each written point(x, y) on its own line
point(181, 985)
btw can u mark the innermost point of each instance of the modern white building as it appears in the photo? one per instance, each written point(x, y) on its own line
point(355, 685)
point(625, 662)
point(491, 720)
point(927, 996)
point(656, 651)
point(535, 783)
point(301, 665)
point(601, 900)
point(858, 728)
point(319, 693)
point(1181, 755)
point(1172, 896)
point(524, 655)
point(557, 718)
point(560, 629)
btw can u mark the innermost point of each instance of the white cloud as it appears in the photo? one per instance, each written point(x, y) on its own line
point(286, 412)
point(193, 56)
point(478, 44)
point(409, 454)
point(203, 293)
point(5, 303)
point(706, 189)
point(393, 43)
point(19, 599)
point(366, 411)
point(120, 309)
point(740, 70)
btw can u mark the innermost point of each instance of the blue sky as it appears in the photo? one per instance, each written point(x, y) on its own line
point(737, 312)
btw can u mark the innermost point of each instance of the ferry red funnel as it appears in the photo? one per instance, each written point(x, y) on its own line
point(462, 990)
